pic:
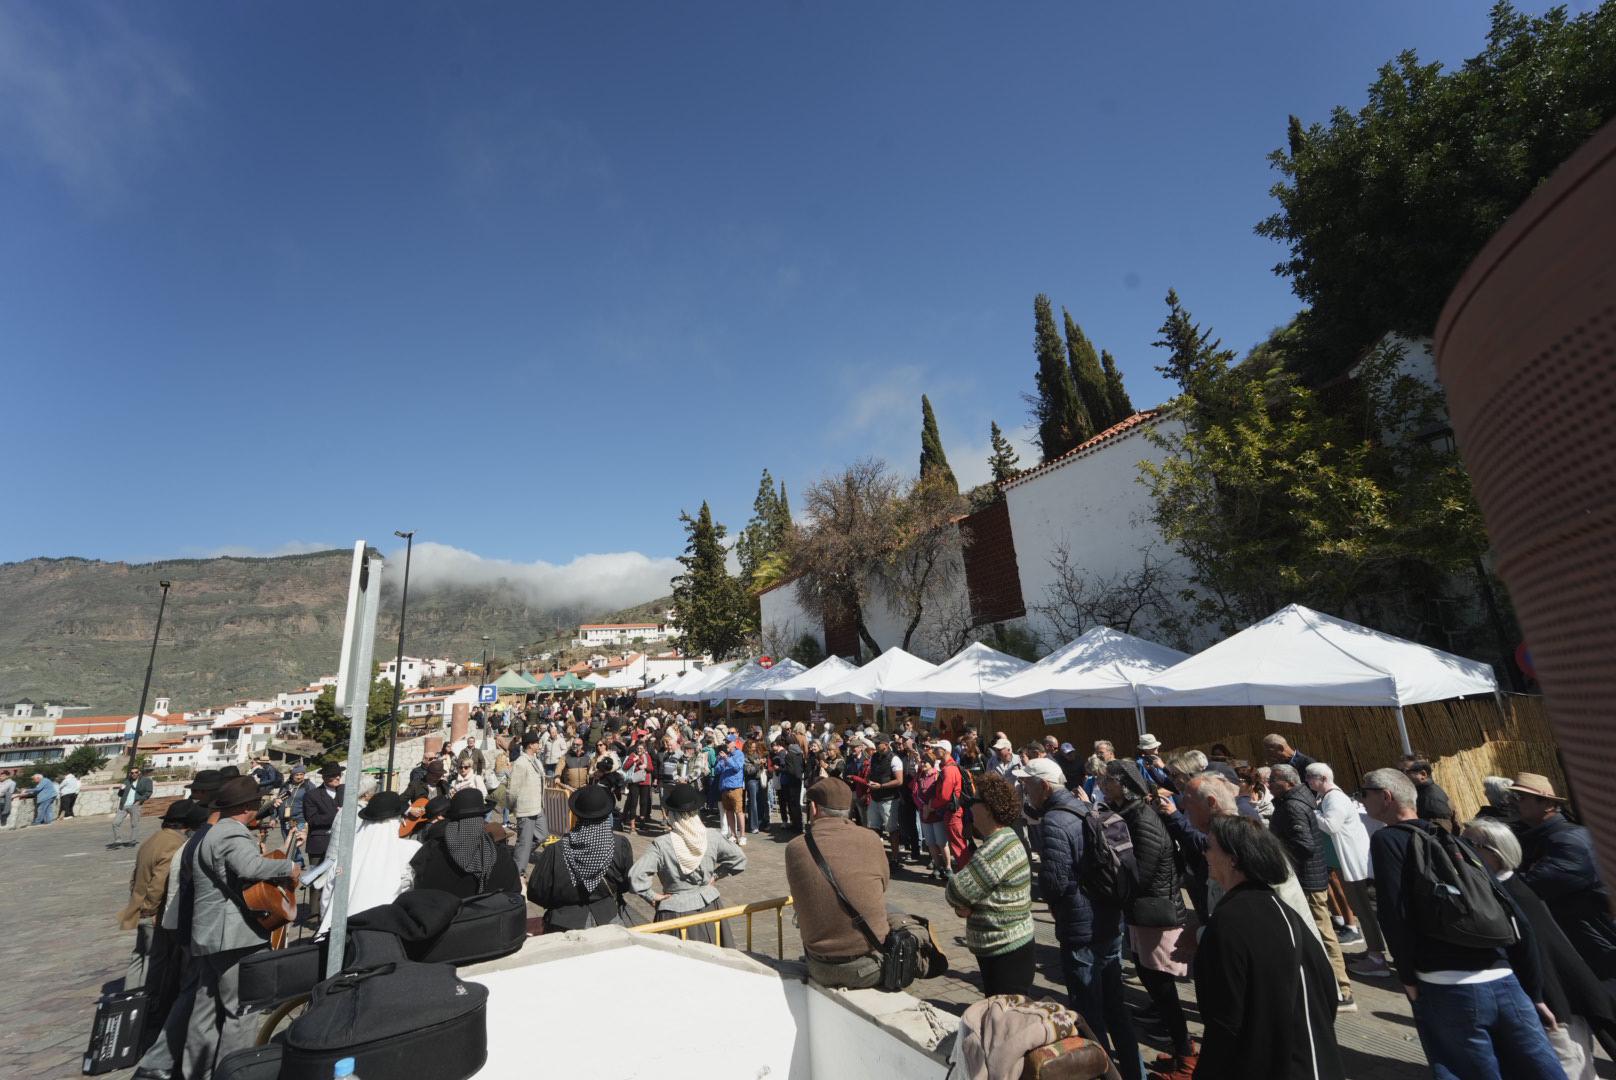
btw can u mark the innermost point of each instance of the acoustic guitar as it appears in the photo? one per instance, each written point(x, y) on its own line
point(273, 904)
point(410, 824)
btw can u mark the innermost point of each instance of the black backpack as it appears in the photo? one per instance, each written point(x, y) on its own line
point(1107, 871)
point(1451, 896)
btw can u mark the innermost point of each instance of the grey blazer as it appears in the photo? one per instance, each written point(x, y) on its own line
point(218, 921)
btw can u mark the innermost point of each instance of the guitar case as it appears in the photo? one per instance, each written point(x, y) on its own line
point(251, 1063)
point(484, 928)
point(397, 1019)
point(271, 976)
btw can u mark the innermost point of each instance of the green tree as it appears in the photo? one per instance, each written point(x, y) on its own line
point(327, 725)
point(1004, 459)
point(1116, 394)
point(1273, 496)
point(84, 761)
point(714, 608)
point(1383, 208)
point(762, 535)
point(1088, 377)
point(933, 461)
point(850, 529)
point(807, 651)
point(1056, 408)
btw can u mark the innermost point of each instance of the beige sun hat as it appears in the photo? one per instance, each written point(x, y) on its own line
point(1531, 783)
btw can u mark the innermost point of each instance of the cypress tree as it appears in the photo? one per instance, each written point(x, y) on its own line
point(782, 510)
point(1087, 377)
point(933, 461)
point(1004, 459)
point(1116, 394)
point(1056, 407)
point(713, 607)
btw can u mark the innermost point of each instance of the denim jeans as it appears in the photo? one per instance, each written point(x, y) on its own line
point(1483, 1031)
point(1094, 983)
point(757, 805)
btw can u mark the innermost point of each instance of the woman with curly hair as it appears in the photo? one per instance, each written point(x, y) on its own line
point(993, 891)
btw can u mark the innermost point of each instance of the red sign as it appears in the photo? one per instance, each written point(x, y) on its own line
point(765, 661)
point(1523, 660)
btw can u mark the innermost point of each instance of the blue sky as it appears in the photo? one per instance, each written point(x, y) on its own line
point(532, 278)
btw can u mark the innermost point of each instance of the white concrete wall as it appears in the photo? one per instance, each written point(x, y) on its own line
point(1096, 506)
point(784, 621)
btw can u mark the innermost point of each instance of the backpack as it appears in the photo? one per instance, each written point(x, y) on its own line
point(1450, 895)
point(1107, 871)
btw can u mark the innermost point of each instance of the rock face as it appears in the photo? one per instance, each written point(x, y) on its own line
point(77, 631)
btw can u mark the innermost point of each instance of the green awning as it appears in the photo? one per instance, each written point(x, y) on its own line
point(569, 681)
point(514, 682)
point(546, 685)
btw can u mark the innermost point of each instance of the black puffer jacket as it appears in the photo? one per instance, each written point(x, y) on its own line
point(1297, 828)
point(1158, 900)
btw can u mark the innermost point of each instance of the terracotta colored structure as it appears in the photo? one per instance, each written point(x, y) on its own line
point(1526, 348)
point(459, 721)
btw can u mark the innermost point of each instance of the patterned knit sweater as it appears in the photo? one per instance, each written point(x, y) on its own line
point(997, 886)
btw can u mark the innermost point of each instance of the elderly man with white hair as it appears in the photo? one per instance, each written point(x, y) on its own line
point(1340, 818)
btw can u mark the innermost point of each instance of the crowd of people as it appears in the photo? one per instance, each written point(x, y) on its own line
point(1247, 878)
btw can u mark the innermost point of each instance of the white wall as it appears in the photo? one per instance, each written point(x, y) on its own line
point(783, 619)
point(1095, 505)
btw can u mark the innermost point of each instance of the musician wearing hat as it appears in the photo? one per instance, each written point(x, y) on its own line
point(458, 856)
point(222, 933)
point(1557, 862)
point(380, 867)
point(320, 806)
point(148, 886)
point(676, 874)
point(579, 879)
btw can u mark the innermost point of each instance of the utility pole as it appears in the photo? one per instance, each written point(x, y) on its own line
point(398, 665)
point(145, 688)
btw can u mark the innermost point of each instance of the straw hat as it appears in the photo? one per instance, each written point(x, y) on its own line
point(1531, 783)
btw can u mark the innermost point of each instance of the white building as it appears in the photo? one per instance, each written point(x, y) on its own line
point(297, 702)
point(1084, 515)
point(427, 702)
point(1088, 512)
point(419, 669)
point(596, 634)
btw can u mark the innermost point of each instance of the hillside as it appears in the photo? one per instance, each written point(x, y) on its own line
point(78, 630)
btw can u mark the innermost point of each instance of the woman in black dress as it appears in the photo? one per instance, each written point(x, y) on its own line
point(460, 857)
point(579, 879)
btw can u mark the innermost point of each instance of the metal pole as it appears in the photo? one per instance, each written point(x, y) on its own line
point(145, 687)
point(398, 666)
point(353, 696)
point(1402, 731)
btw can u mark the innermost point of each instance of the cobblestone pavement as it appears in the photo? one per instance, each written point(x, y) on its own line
point(61, 947)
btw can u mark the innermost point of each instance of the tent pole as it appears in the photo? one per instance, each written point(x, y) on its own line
point(1139, 716)
point(1402, 731)
point(1498, 699)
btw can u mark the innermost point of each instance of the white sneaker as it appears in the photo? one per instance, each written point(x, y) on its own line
point(741, 841)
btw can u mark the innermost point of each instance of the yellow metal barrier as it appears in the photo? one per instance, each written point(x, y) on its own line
point(682, 925)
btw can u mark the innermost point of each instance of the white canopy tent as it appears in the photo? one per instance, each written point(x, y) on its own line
point(958, 682)
point(1298, 656)
point(803, 686)
point(867, 685)
point(694, 689)
point(1099, 670)
point(617, 680)
point(748, 683)
point(675, 683)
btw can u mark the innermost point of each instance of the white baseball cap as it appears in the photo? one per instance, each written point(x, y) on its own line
point(1041, 769)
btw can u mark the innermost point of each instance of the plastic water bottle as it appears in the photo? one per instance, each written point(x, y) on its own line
point(344, 1068)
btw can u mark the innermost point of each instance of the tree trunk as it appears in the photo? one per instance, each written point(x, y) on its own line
point(864, 633)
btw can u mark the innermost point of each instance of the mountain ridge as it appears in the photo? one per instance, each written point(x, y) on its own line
point(235, 626)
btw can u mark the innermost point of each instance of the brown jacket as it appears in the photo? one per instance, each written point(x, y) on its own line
point(858, 859)
point(149, 882)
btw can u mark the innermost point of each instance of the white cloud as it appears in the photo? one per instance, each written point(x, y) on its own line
point(603, 581)
point(90, 97)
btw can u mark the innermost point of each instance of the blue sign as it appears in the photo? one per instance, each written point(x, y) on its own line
point(487, 694)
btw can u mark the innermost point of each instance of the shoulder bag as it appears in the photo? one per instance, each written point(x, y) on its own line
point(900, 952)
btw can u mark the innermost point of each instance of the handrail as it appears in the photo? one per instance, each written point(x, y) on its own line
point(683, 923)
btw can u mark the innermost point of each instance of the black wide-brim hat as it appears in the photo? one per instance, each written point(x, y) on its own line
point(591, 803)
point(382, 806)
point(178, 812)
point(234, 793)
point(330, 769)
point(682, 799)
point(467, 803)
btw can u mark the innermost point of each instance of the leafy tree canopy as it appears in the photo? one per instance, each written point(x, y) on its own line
point(1383, 208)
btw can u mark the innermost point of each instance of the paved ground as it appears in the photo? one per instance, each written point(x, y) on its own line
point(60, 947)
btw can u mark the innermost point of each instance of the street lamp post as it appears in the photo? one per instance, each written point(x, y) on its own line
point(486, 681)
point(398, 665)
point(145, 688)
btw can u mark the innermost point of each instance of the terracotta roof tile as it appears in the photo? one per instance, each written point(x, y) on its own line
point(1111, 433)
